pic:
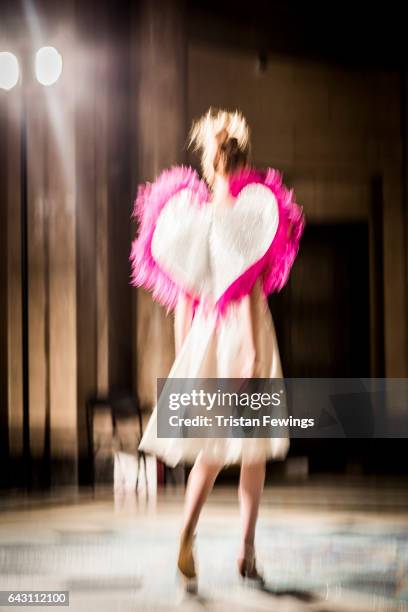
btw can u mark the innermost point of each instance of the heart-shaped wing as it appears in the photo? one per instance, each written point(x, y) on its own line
point(186, 245)
point(151, 199)
point(241, 235)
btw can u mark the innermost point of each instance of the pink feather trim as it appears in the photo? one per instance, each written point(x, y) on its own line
point(150, 200)
point(275, 265)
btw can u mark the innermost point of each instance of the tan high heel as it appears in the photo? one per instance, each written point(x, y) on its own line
point(186, 563)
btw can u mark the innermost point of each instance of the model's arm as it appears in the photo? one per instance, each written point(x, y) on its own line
point(183, 315)
point(267, 358)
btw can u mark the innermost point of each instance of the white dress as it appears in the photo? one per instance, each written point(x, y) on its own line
point(242, 345)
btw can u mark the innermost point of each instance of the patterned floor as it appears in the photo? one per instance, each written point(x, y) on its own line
point(322, 549)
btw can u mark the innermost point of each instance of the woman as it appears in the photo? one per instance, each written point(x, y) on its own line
point(213, 255)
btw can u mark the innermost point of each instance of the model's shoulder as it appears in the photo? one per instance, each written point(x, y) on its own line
point(269, 178)
point(173, 179)
point(153, 196)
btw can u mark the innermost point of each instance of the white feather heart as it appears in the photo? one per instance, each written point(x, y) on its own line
point(206, 248)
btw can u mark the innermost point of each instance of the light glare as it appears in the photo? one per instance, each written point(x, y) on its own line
point(9, 70)
point(48, 65)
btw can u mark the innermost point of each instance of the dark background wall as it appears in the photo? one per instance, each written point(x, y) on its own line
point(330, 115)
point(324, 90)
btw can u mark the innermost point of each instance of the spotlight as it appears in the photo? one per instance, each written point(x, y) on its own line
point(48, 65)
point(9, 70)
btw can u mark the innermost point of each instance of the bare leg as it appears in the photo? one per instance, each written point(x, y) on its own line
point(199, 485)
point(200, 482)
point(251, 484)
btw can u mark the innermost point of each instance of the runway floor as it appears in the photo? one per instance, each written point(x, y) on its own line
point(323, 547)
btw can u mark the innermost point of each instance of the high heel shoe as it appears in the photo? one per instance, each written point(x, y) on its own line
point(185, 563)
point(249, 572)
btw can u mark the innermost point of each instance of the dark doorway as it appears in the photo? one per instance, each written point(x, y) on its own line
point(323, 326)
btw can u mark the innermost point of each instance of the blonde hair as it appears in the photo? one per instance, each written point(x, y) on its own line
point(221, 137)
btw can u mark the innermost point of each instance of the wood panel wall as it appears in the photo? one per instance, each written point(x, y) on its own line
point(90, 139)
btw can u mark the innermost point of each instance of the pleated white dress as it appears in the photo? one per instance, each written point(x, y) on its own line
point(242, 345)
